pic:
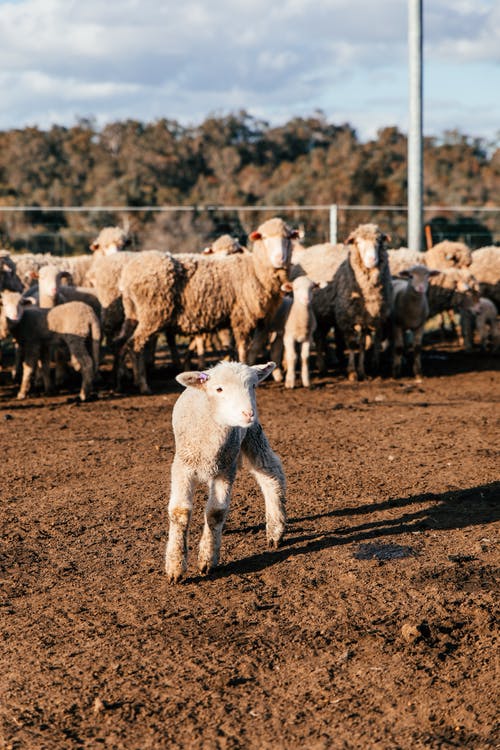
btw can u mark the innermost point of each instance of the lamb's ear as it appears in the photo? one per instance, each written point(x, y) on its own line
point(294, 234)
point(434, 272)
point(263, 371)
point(287, 287)
point(208, 250)
point(255, 236)
point(405, 274)
point(350, 239)
point(386, 237)
point(192, 379)
point(94, 246)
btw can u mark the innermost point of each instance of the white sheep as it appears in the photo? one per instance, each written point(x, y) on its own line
point(36, 330)
point(214, 420)
point(410, 310)
point(485, 267)
point(299, 329)
point(196, 294)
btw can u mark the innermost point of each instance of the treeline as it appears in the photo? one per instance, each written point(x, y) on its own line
point(235, 160)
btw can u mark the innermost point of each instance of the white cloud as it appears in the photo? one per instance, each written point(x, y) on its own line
point(143, 59)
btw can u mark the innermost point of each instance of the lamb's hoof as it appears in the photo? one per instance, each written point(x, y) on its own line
point(174, 572)
point(204, 567)
point(289, 384)
point(277, 375)
point(274, 538)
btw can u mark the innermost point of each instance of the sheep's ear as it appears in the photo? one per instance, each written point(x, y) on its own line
point(262, 371)
point(350, 239)
point(294, 234)
point(434, 272)
point(94, 246)
point(321, 285)
point(287, 287)
point(254, 236)
point(405, 274)
point(192, 379)
point(386, 237)
point(208, 250)
point(28, 301)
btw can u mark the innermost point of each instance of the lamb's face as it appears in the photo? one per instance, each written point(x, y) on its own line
point(47, 277)
point(230, 390)
point(419, 278)
point(302, 290)
point(12, 307)
point(110, 240)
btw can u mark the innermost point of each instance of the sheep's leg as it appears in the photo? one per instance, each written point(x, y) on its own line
point(351, 365)
point(29, 367)
point(305, 350)
point(277, 356)
point(417, 352)
point(174, 352)
point(257, 344)
point(268, 471)
point(179, 513)
point(45, 369)
point(242, 348)
point(320, 336)
point(397, 357)
point(291, 360)
point(361, 361)
point(215, 516)
point(85, 364)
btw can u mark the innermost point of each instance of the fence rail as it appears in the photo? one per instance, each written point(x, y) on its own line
point(333, 220)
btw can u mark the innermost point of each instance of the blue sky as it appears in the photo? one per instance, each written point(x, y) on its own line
point(144, 59)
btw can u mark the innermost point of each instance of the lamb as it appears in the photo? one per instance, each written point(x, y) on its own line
point(214, 421)
point(485, 267)
point(299, 329)
point(410, 311)
point(51, 290)
point(480, 315)
point(36, 329)
point(358, 300)
point(194, 294)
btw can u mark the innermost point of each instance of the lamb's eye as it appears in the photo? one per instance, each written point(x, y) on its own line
point(219, 389)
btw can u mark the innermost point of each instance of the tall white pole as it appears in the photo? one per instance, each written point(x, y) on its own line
point(415, 166)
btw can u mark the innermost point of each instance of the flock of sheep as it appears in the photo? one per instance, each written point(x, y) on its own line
point(275, 297)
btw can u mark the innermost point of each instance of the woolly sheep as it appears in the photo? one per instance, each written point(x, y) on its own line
point(402, 258)
point(410, 310)
point(319, 262)
point(52, 291)
point(481, 316)
point(448, 288)
point(214, 420)
point(485, 267)
point(110, 240)
point(199, 295)
point(36, 329)
point(357, 302)
point(299, 329)
point(29, 265)
point(448, 254)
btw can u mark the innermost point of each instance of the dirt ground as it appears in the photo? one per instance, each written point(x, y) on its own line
point(375, 625)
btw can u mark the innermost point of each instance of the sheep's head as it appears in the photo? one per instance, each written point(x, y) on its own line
point(110, 240)
point(230, 390)
point(8, 276)
point(418, 277)
point(369, 242)
point(12, 306)
point(276, 237)
point(224, 245)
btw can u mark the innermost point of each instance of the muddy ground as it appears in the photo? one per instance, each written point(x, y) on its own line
point(375, 625)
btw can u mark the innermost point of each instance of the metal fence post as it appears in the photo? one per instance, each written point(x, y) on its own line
point(333, 223)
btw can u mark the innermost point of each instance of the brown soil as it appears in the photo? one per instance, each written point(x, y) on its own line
point(373, 626)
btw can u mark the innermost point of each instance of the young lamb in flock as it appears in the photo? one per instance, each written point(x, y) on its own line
point(410, 311)
point(480, 314)
point(357, 302)
point(36, 330)
point(214, 421)
point(299, 328)
point(196, 294)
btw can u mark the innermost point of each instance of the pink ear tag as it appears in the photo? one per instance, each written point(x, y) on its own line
point(203, 377)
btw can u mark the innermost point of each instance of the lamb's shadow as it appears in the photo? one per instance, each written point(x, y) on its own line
point(456, 509)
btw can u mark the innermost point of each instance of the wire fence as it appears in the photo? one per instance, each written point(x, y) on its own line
point(65, 230)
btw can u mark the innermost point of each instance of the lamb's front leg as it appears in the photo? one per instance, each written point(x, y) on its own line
point(268, 471)
point(179, 513)
point(305, 351)
point(215, 515)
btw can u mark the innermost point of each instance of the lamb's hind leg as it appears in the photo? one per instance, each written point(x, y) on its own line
point(268, 471)
point(179, 513)
point(215, 516)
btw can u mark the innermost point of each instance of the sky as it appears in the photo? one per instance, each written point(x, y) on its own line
point(61, 60)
